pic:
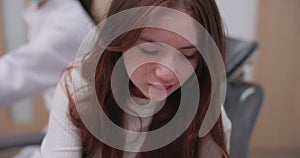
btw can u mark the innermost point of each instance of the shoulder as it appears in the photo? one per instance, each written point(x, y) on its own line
point(63, 137)
point(227, 127)
point(60, 102)
point(226, 121)
point(209, 148)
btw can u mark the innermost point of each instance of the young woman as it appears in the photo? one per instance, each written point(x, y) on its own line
point(162, 69)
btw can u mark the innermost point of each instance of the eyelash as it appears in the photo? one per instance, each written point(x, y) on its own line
point(190, 57)
point(157, 51)
point(149, 52)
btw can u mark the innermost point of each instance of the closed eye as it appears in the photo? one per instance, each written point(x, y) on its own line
point(149, 51)
point(189, 55)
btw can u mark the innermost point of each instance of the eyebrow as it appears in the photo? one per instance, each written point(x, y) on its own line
point(151, 41)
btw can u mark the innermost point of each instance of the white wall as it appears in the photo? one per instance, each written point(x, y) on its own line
point(239, 17)
point(14, 27)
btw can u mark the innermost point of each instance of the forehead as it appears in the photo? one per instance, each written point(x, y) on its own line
point(170, 20)
point(164, 36)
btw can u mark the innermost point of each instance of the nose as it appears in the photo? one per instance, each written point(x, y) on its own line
point(163, 73)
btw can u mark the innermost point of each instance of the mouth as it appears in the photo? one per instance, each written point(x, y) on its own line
point(160, 87)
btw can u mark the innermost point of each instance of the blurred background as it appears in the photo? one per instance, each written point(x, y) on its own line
point(28, 115)
point(273, 24)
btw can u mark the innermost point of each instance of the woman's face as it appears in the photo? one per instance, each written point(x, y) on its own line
point(159, 63)
point(161, 60)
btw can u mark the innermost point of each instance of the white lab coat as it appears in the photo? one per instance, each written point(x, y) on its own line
point(55, 32)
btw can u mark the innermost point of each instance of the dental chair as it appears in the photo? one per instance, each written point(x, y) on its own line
point(243, 99)
point(243, 103)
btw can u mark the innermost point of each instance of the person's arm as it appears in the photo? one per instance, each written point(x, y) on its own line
point(62, 138)
point(37, 65)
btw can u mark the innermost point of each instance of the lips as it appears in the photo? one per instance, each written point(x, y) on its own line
point(161, 87)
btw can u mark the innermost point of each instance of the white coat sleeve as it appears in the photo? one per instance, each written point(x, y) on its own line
point(62, 139)
point(37, 65)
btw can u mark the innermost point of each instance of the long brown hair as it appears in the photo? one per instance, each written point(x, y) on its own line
point(188, 144)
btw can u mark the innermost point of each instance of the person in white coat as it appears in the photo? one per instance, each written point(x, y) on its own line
point(55, 31)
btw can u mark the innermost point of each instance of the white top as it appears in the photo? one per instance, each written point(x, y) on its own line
point(63, 138)
point(55, 32)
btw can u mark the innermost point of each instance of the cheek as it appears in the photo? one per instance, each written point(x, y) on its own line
point(135, 77)
point(187, 71)
point(196, 61)
point(140, 74)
